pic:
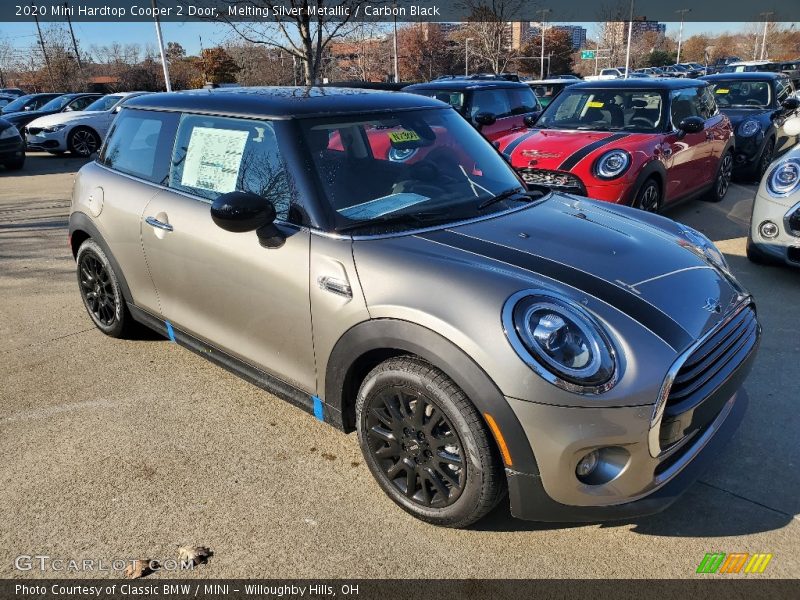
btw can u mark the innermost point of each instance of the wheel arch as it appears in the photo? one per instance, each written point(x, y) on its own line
point(88, 128)
point(652, 170)
point(367, 344)
point(81, 229)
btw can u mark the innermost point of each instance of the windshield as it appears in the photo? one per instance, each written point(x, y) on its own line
point(454, 99)
point(604, 110)
point(408, 169)
point(742, 94)
point(104, 103)
point(57, 103)
point(19, 103)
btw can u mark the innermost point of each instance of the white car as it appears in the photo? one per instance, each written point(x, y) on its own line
point(606, 74)
point(775, 225)
point(82, 132)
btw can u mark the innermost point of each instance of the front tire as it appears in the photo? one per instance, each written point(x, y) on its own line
point(426, 444)
point(722, 183)
point(15, 164)
point(83, 142)
point(648, 198)
point(764, 159)
point(100, 291)
point(756, 256)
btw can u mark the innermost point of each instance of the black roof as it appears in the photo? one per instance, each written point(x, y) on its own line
point(283, 102)
point(745, 75)
point(462, 84)
point(640, 83)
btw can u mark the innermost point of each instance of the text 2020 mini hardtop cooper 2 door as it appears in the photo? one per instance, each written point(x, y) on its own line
point(646, 143)
point(479, 336)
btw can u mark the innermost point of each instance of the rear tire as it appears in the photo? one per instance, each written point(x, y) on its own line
point(100, 291)
point(722, 182)
point(426, 444)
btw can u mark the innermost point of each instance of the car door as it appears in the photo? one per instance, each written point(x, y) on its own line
point(221, 287)
point(686, 155)
point(79, 103)
point(717, 127)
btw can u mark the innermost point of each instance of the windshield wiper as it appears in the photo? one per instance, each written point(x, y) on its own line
point(393, 219)
point(502, 196)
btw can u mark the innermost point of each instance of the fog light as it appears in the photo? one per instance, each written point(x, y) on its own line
point(768, 229)
point(587, 464)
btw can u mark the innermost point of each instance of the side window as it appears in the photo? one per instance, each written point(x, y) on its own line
point(140, 144)
point(522, 100)
point(783, 91)
point(80, 103)
point(684, 103)
point(216, 155)
point(490, 101)
point(706, 105)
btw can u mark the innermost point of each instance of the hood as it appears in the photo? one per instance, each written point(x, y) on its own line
point(66, 117)
point(643, 265)
point(562, 149)
point(18, 118)
point(737, 115)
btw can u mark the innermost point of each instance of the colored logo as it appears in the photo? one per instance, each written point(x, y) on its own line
point(738, 562)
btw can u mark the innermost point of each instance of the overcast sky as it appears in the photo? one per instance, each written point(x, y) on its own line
point(189, 34)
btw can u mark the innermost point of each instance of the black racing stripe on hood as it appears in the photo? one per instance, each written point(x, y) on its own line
point(514, 143)
point(632, 305)
point(579, 155)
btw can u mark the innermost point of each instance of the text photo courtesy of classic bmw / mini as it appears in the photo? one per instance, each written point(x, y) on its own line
point(310, 291)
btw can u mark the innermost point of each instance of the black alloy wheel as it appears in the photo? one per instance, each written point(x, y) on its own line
point(83, 142)
point(416, 446)
point(723, 181)
point(648, 198)
point(100, 291)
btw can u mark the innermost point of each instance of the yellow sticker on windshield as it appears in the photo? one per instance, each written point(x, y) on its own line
point(595, 104)
point(723, 91)
point(403, 135)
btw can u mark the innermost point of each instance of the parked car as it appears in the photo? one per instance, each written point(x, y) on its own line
point(494, 107)
point(13, 92)
point(695, 68)
point(81, 133)
point(647, 143)
point(612, 73)
point(12, 147)
point(757, 103)
point(723, 62)
point(774, 236)
point(5, 99)
point(547, 89)
point(473, 332)
point(26, 103)
point(62, 104)
point(565, 76)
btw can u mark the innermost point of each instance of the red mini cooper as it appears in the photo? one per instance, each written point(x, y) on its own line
point(647, 143)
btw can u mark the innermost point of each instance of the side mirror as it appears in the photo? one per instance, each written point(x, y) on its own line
point(485, 118)
point(239, 212)
point(530, 120)
point(691, 125)
point(791, 103)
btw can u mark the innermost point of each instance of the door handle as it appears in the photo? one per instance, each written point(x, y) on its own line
point(153, 222)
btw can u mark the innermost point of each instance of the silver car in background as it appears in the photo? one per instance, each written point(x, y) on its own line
point(370, 258)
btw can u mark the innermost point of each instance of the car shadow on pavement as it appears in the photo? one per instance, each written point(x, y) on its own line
point(41, 163)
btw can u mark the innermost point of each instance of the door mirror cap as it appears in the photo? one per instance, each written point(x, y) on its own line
point(691, 125)
point(530, 120)
point(485, 118)
point(791, 103)
point(242, 211)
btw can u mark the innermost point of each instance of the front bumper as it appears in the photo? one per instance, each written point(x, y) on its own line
point(748, 151)
point(55, 141)
point(616, 191)
point(785, 247)
point(11, 148)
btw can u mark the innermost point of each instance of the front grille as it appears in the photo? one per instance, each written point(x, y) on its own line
point(691, 404)
point(557, 180)
point(33, 130)
point(793, 222)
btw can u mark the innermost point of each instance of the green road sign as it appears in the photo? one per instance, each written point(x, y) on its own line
point(587, 54)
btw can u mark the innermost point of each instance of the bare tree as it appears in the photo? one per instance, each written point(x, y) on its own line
point(488, 29)
point(305, 33)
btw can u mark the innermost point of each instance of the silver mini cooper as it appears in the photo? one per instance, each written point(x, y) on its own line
point(370, 258)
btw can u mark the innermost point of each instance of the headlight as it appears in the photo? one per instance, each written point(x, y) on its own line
point(705, 247)
point(612, 164)
point(749, 128)
point(784, 178)
point(401, 154)
point(53, 128)
point(8, 133)
point(561, 341)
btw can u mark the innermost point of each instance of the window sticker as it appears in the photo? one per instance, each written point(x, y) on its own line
point(382, 206)
point(723, 90)
point(403, 136)
point(595, 104)
point(213, 159)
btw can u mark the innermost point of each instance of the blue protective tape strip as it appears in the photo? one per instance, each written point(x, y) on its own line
point(170, 331)
point(318, 408)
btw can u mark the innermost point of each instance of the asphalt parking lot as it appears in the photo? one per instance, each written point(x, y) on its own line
point(131, 448)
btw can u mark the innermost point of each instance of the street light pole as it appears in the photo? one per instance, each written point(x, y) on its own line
point(544, 11)
point(164, 65)
point(396, 63)
point(628, 51)
point(466, 55)
point(766, 15)
point(682, 12)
